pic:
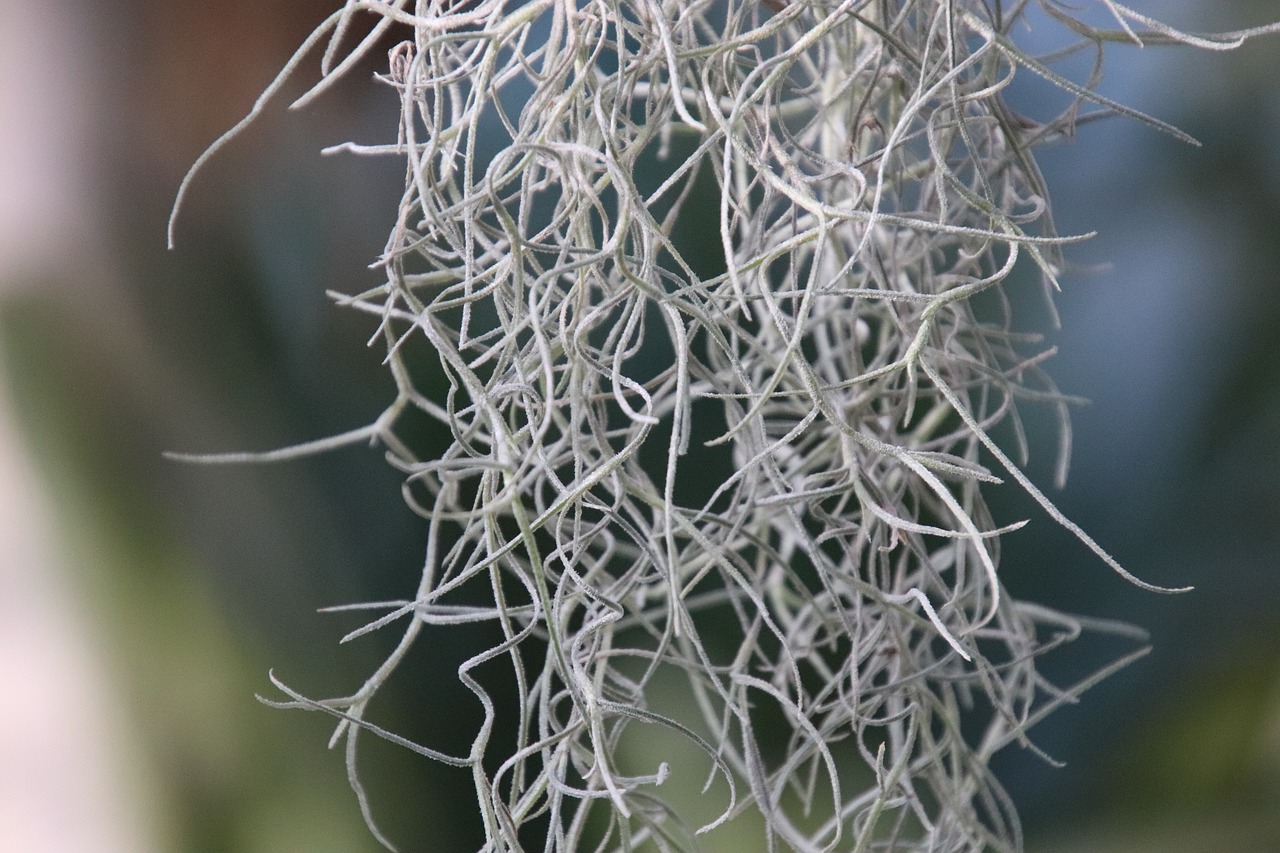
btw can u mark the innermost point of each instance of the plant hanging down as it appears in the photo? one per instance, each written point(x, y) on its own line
point(818, 623)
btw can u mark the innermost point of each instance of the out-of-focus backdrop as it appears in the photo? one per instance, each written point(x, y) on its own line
point(142, 602)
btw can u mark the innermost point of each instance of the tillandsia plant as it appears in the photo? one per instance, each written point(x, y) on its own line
point(832, 610)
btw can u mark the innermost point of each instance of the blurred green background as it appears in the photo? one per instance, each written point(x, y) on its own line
point(144, 601)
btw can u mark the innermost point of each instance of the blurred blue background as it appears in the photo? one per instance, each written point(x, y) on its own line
point(143, 601)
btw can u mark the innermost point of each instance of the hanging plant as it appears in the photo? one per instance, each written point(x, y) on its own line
point(824, 626)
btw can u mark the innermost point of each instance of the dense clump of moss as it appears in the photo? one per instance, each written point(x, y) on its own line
point(737, 495)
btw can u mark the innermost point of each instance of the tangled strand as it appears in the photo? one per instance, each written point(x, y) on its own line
point(838, 589)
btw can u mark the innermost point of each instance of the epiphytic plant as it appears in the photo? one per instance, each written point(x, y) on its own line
point(838, 588)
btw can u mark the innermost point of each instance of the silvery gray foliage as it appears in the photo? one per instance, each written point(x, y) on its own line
point(839, 590)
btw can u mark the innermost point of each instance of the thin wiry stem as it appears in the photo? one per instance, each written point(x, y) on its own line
point(838, 590)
